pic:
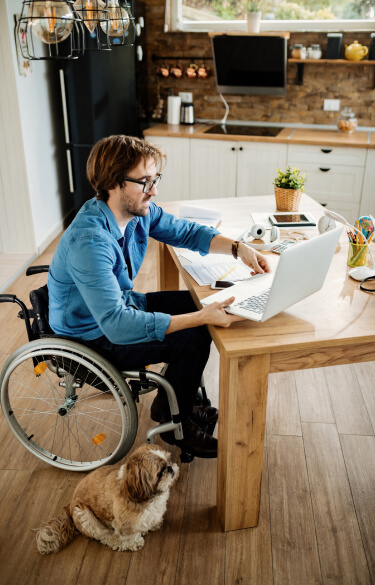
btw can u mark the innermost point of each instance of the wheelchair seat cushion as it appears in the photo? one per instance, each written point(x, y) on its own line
point(39, 301)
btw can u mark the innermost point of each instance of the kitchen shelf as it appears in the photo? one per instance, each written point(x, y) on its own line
point(301, 62)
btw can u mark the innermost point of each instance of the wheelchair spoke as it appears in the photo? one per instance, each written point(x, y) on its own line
point(35, 395)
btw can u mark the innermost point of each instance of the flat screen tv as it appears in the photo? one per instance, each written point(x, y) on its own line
point(250, 64)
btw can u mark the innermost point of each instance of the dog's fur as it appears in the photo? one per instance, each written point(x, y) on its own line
point(116, 505)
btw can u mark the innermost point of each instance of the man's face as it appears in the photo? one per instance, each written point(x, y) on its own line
point(133, 201)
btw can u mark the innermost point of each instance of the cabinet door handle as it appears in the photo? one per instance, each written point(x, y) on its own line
point(324, 170)
point(233, 148)
point(240, 148)
point(326, 150)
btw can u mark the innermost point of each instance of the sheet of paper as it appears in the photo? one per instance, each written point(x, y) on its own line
point(207, 273)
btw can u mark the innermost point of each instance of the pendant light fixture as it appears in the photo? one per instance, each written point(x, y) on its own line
point(120, 25)
point(109, 22)
point(91, 12)
point(51, 22)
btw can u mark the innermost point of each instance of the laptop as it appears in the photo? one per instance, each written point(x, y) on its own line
point(300, 272)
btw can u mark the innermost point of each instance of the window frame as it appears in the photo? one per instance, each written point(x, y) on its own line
point(175, 22)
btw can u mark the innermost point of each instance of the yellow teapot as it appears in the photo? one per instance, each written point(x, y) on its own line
point(355, 51)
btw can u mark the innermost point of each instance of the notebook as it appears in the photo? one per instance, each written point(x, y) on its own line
point(301, 271)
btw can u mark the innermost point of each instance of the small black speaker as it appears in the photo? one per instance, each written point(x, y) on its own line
point(372, 47)
point(333, 45)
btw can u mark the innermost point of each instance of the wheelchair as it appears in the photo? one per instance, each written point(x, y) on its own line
point(70, 406)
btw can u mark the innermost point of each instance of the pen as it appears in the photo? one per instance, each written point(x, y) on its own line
point(226, 274)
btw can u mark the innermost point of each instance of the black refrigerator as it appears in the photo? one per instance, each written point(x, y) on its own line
point(99, 98)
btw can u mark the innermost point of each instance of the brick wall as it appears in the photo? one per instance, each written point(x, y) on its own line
point(353, 85)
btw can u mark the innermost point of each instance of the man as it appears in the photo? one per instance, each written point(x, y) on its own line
point(90, 282)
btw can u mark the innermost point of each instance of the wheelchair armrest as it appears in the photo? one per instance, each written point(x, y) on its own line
point(8, 298)
point(37, 269)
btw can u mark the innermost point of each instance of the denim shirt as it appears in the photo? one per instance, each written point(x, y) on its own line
point(90, 279)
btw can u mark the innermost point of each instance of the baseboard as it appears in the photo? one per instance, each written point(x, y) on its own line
point(57, 230)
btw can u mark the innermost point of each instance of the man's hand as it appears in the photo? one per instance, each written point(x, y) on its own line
point(253, 259)
point(214, 314)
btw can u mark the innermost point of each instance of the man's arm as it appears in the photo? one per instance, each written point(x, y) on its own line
point(249, 256)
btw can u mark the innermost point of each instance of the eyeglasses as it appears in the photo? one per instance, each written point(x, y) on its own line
point(147, 185)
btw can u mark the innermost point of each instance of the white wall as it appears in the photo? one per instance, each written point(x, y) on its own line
point(48, 192)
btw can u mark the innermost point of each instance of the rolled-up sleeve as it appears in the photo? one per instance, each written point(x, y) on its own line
point(181, 233)
point(121, 315)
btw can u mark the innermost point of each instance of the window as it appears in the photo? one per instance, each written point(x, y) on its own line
point(277, 15)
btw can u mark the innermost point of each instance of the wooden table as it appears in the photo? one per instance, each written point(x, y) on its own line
point(332, 327)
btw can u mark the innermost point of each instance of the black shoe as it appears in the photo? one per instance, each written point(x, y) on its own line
point(195, 441)
point(204, 416)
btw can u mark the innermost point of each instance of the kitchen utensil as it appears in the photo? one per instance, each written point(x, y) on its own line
point(355, 51)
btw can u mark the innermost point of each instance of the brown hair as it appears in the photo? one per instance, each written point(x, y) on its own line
point(112, 158)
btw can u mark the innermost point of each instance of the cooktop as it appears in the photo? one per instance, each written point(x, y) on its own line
point(243, 130)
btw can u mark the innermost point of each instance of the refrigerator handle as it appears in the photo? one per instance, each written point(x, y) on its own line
point(70, 171)
point(64, 106)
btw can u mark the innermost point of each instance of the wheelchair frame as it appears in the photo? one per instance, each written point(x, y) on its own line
point(75, 428)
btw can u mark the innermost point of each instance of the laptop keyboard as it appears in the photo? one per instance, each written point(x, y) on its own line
point(254, 304)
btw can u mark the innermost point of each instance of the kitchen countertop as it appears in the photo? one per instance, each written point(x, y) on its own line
point(288, 135)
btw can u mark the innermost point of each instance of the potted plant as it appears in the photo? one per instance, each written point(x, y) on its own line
point(288, 188)
point(254, 15)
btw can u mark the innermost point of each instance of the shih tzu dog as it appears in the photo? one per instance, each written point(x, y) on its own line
point(116, 505)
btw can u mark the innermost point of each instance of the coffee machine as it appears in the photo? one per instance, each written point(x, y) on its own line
point(187, 108)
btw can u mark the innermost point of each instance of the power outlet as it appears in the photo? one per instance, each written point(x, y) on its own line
point(331, 105)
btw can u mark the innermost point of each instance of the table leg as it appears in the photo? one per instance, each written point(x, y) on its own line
point(242, 422)
point(168, 276)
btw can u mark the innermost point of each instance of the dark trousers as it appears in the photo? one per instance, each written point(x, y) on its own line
point(185, 351)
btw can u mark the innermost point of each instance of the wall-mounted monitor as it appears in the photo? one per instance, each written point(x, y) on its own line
point(250, 64)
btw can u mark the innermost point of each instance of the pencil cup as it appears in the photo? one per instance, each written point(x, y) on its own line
point(357, 254)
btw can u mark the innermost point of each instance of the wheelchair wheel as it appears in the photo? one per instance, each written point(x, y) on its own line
point(68, 405)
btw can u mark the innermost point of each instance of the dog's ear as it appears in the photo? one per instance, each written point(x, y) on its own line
point(139, 484)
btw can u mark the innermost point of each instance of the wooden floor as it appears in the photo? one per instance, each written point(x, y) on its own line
point(11, 265)
point(317, 520)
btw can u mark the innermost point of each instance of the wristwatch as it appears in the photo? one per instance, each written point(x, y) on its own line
point(235, 249)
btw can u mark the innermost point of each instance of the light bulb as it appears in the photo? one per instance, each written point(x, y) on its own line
point(118, 20)
point(50, 21)
point(90, 11)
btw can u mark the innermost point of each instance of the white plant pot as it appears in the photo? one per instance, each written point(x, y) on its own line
point(253, 21)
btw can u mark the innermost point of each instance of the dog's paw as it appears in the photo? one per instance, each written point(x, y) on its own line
point(133, 544)
point(156, 526)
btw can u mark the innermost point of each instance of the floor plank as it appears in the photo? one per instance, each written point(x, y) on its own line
point(359, 454)
point(342, 557)
point(282, 408)
point(347, 401)
point(313, 396)
point(294, 546)
point(12, 485)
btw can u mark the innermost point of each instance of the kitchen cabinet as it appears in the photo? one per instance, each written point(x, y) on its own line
point(175, 183)
point(334, 175)
point(368, 191)
point(221, 168)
